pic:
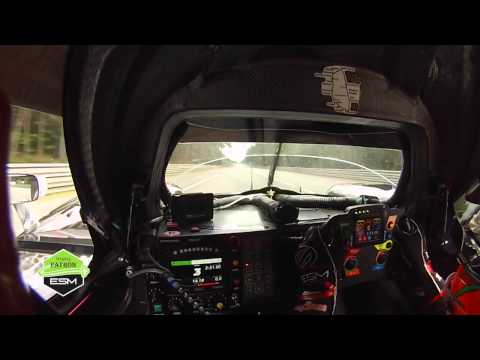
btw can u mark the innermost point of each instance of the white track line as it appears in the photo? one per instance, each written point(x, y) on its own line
point(201, 182)
point(287, 183)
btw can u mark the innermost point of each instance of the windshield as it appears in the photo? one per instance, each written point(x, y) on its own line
point(236, 167)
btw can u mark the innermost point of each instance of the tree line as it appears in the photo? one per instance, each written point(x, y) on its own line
point(36, 137)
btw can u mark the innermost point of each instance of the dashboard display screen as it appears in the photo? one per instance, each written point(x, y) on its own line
point(200, 273)
point(368, 230)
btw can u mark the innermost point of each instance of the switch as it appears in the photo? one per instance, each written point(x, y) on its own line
point(381, 258)
point(194, 229)
point(384, 247)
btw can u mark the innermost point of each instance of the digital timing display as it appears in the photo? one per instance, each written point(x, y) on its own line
point(201, 273)
point(368, 230)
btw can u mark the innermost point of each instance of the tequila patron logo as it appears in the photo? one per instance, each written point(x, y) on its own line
point(64, 272)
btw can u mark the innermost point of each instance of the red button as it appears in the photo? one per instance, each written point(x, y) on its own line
point(170, 233)
point(172, 226)
point(353, 251)
point(354, 272)
point(328, 285)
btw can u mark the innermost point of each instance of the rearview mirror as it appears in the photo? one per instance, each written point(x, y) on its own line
point(26, 188)
point(473, 195)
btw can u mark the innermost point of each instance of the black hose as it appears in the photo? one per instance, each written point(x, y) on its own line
point(325, 202)
point(277, 211)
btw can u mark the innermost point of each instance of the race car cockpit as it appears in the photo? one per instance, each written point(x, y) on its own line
point(261, 180)
point(280, 212)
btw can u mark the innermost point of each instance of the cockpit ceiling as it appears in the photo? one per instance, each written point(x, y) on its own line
point(445, 78)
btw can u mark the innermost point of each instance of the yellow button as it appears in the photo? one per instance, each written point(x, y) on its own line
point(386, 246)
point(219, 306)
point(236, 262)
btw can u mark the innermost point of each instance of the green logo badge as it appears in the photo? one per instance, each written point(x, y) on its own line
point(64, 272)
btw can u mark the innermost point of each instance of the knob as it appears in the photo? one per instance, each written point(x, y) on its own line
point(327, 285)
point(350, 263)
point(381, 258)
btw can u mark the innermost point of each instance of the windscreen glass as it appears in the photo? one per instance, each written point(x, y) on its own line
point(236, 167)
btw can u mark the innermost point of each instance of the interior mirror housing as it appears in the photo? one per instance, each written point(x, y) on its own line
point(473, 195)
point(26, 188)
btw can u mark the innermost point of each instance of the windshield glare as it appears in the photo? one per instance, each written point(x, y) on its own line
point(232, 168)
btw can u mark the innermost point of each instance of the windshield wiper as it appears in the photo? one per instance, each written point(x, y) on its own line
point(274, 165)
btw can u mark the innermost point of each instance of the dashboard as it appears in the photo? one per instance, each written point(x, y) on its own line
point(241, 262)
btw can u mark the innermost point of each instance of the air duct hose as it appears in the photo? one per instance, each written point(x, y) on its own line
point(325, 202)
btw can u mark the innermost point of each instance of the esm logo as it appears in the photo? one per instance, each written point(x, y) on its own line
point(63, 272)
point(64, 284)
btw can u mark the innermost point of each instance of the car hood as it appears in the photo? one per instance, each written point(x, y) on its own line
point(112, 94)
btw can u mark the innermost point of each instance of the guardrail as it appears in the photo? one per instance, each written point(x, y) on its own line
point(350, 174)
point(59, 176)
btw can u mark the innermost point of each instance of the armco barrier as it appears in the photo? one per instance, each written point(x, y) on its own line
point(59, 177)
